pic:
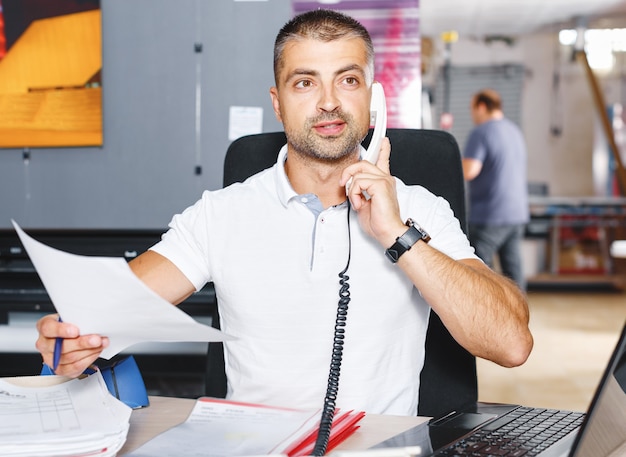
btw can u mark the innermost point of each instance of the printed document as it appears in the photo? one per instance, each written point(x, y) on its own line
point(72, 418)
point(102, 295)
point(223, 428)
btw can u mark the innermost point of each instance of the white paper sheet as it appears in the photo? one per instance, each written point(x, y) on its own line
point(72, 418)
point(102, 295)
point(221, 428)
point(244, 120)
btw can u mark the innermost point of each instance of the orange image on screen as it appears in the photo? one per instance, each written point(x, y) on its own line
point(50, 85)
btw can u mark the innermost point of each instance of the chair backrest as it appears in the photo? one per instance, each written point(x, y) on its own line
point(432, 159)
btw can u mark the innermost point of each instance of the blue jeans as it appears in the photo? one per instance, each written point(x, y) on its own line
point(504, 241)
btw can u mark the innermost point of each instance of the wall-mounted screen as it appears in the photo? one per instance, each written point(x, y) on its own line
point(50, 73)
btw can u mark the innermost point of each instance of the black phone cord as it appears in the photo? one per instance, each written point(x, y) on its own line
point(328, 410)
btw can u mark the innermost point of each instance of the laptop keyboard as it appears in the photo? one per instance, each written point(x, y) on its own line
point(523, 432)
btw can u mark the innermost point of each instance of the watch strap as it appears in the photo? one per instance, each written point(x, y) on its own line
point(406, 241)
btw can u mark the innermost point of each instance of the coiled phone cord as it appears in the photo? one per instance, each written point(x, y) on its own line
point(328, 410)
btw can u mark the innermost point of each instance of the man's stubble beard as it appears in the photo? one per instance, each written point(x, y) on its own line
point(309, 144)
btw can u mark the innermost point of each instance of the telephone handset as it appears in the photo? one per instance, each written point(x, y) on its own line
point(378, 117)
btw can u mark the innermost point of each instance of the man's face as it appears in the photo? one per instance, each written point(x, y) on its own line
point(478, 112)
point(323, 97)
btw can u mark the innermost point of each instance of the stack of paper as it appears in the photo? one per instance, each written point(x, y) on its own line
point(74, 418)
point(219, 427)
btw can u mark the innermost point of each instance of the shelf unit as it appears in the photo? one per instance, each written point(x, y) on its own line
point(580, 231)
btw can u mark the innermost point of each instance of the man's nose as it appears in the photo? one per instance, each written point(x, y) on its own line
point(328, 101)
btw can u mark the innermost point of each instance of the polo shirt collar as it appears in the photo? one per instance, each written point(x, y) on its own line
point(283, 186)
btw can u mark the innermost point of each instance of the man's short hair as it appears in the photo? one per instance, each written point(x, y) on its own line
point(490, 98)
point(322, 25)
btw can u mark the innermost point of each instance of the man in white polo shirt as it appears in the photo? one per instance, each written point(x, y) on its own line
point(274, 246)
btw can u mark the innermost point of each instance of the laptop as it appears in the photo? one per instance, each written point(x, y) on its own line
point(488, 429)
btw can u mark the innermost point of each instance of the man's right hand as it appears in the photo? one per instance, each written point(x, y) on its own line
point(79, 351)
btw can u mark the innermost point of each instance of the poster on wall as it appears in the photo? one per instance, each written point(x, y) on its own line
point(394, 28)
point(50, 73)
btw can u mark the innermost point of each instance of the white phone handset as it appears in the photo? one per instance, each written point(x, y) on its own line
point(378, 117)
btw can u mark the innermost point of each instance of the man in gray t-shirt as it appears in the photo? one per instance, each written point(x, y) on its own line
point(494, 163)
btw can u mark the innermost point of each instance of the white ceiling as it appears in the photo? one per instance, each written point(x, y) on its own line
point(479, 18)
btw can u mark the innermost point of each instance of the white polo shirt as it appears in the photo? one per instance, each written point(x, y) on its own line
point(275, 264)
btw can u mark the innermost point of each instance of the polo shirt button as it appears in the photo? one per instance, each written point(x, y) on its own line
point(322, 220)
point(304, 200)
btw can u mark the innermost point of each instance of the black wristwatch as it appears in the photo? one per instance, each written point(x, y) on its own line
point(407, 240)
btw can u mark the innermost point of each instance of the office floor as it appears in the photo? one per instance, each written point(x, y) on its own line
point(575, 333)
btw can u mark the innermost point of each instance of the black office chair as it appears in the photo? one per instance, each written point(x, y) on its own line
point(432, 159)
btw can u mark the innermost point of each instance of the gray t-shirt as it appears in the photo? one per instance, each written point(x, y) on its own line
point(499, 194)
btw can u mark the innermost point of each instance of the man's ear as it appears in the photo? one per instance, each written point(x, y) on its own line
point(276, 103)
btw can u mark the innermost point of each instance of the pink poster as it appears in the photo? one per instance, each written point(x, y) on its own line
point(3, 40)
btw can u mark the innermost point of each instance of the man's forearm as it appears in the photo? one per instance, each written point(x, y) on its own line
point(485, 312)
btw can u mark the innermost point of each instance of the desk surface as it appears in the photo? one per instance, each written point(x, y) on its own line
point(166, 412)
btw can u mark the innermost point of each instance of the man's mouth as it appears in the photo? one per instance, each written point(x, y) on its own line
point(330, 127)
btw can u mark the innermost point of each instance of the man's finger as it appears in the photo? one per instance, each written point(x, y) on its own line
point(383, 157)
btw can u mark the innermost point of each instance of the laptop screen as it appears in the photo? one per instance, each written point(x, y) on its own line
point(604, 432)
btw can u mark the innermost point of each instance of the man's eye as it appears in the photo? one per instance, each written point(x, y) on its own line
point(351, 80)
point(304, 83)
